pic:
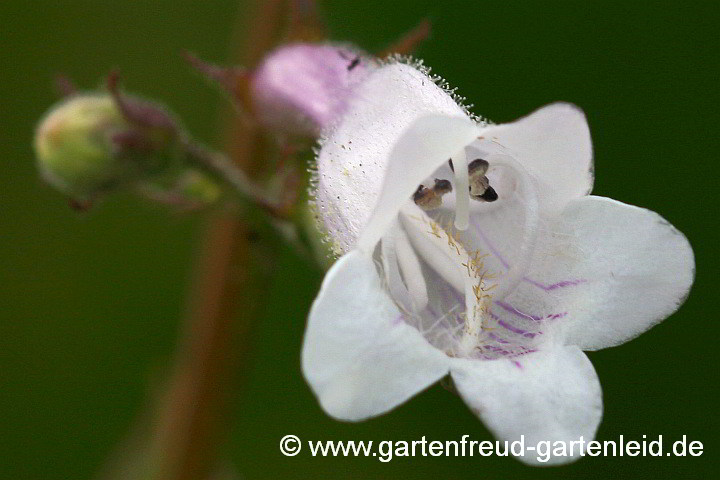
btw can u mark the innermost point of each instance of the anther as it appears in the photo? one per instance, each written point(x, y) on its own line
point(490, 195)
point(480, 188)
point(431, 198)
point(442, 186)
point(478, 167)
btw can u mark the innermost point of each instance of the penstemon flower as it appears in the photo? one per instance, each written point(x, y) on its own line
point(501, 283)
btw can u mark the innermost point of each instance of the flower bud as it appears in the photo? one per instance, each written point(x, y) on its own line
point(302, 88)
point(89, 145)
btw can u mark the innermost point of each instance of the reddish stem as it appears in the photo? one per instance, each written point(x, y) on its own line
point(223, 304)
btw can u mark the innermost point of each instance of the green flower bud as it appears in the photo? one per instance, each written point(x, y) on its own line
point(74, 147)
point(90, 144)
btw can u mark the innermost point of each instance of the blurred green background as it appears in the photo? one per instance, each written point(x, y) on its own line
point(90, 304)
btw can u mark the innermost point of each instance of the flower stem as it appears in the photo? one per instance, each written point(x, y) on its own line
point(224, 301)
point(224, 168)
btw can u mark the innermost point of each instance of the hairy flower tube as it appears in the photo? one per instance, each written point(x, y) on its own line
point(475, 250)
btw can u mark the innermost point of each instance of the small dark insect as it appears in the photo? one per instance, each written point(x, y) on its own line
point(353, 63)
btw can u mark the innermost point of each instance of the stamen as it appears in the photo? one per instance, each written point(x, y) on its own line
point(442, 186)
point(449, 259)
point(426, 199)
point(490, 195)
point(411, 270)
point(431, 198)
point(478, 167)
point(478, 185)
point(480, 188)
point(398, 290)
point(431, 243)
point(473, 321)
point(408, 290)
point(462, 192)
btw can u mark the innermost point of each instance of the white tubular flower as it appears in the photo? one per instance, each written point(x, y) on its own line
point(501, 283)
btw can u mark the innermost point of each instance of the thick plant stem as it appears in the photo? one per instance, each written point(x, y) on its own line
point(223, 305)
point(187, 433)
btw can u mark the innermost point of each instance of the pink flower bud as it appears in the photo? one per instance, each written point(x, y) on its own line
point(302, 88)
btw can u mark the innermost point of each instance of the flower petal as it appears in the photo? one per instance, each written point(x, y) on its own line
point(354, 156)
point(544, 396)
point(554, 144)
point(421, 149)
point(637, 266)
point(359, 356)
